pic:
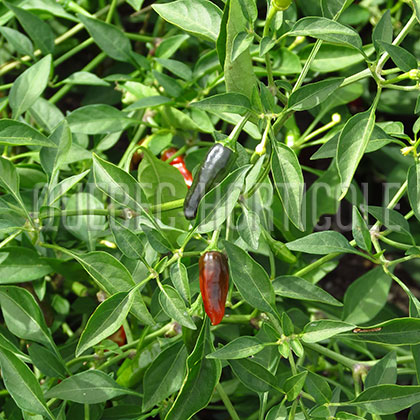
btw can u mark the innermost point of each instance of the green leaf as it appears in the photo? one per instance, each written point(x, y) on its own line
point(64, 186)
point(22, 384)
point(390, 218)
point(179, 278)
point(241, 43)
point(162, 183)
point(293, 287)
point(293, 385)
point(321, 330)
point(28, 87)
point(53, 158)
point(98, 119)
point(318, 387)
point(327, 30)
point(47, 361)
point(361, 233)
point(9, 180)
point(86, 227)
point(178, 68)
point(84, 78)
point(331, 8)
point(169, 46)
point(109, 38)
point(366, 296)
point(313, 94)
point(148, 102)
point(15, 133)
point(383, 372)
point(413, 191)
point(278, 412)
point(387, 399)
point(23, 316)
point(250, 279)
point(39, 31)
point(173, 305)
point(22, 265)
point(239, 74)
point(383, 31)
point(249, 10)
point(401, 57)
point(202, 374)
point(89, 387)
point(332, 58)
point(106, 319)
point(289, 182)
point(416, 6)
point(398, 332)
point(216, 206)
point(249, 227)
point(254, 376)
point(127, 241)
point(6, 343)
point(323, 243)
point(165, 375)
point(239, 348)
point(20, 42)
point(235, 103)
point(113, 277)
point(201, 17)
point(352, 145)
point(118, 184)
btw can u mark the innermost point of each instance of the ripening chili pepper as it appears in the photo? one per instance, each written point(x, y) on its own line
point(212, 170)
point(179, 164)
point(214, 284)
point(118, 337)
point(137, 157)
point(282, 4)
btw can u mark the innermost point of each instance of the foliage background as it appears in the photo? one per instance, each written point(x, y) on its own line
point(322, 318)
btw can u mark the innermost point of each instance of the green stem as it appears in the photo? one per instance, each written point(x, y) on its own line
point(111, 11)
point(87, 412)
point(345, 361)
point(90, 66)
point(73, 51)
point(226, 401)
point(292, 412)
point(305, 270)
point(307, 65)
point(10, 238)
point(139, 37)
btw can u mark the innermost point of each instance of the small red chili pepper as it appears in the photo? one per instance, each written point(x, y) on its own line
point(179, 164)
point(214, 284)
point(118, 337)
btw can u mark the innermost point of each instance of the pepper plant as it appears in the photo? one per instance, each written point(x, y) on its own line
point(298, 122)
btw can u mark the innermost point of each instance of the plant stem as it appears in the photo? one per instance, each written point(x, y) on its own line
point(345, 361)
point(91, 65)
point(270, 16)
point(397, 41)
point(73, 51)
point(226, 401)
point(111, 11)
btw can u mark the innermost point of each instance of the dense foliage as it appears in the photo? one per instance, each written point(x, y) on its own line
point(307, 215)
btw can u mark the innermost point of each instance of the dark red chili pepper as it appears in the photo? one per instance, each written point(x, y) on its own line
point(214, 284)
point(118, 337)
point(179, 164)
